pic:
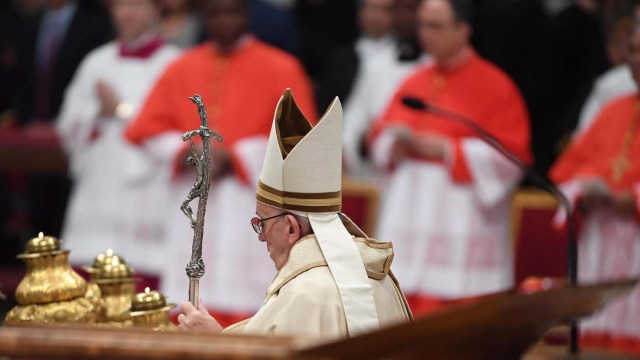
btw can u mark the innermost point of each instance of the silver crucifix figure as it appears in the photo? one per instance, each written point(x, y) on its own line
point(200, 190)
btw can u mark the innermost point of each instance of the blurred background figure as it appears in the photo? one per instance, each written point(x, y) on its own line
point(405, 23)
point(345, 63)
point(323, 26)
point(240, 80)
point(447, 199)
point(600, 172)
point(385, 56)
point(181, 25)
point(616, 81)
point(49, 46)
point(553, 50)
point(274, 22)
point(43, 43)
point(119, 197)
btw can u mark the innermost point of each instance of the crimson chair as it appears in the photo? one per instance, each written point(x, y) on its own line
point(539, 248)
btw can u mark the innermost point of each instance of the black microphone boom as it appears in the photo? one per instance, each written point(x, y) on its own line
point(414, 103)
point(541, 181)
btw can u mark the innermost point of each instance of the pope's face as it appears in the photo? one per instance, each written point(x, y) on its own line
point(275, 233)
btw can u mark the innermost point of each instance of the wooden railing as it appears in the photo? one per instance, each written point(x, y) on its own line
point(34, 150)
point(501, 326)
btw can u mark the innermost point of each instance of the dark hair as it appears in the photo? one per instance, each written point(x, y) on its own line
point(462, 10)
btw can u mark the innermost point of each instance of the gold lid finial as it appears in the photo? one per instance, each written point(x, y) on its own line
point(148, 300)
point(107, 258)
point(42, 244)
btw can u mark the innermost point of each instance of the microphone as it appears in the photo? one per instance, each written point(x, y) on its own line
point(414, 103)
point(541, 181)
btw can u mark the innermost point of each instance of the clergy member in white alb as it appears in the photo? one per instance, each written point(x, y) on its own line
point(119, 195)
point(333, 280)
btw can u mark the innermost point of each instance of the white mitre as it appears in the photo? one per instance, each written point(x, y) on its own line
point(302, 172)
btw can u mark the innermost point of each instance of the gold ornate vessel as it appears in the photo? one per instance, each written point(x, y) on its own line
point(50, 291)
point(150, 309)
point(111, 274)
point(106, 258)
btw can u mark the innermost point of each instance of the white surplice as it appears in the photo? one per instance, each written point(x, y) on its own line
point(608, 249)
point(119, 196)
point(451, 240)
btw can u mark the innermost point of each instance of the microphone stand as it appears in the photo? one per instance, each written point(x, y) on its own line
point(539, 180)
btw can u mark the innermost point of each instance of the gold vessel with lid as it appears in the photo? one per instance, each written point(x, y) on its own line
point(150, 309)
point(106, 258)
point(50, 290)
point(117, 286)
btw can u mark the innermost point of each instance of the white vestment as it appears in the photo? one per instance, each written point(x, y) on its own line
point(451, 239)
point(609, 249)
point(614, 83)
point(119, 198)
point(303, 300)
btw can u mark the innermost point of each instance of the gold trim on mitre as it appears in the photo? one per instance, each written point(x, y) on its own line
point(324, 202)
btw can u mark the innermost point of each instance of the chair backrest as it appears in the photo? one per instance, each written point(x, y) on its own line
point(360, 203)
point(539, 248)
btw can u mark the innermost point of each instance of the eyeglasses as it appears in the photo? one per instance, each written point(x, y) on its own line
point(256, 222)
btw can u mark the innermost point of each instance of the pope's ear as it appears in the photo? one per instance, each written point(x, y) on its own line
point(294, 228)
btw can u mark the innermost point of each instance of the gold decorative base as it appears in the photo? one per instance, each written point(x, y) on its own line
point(158, 320)
point(80, 310)
point(49, 278)
point(117, 300)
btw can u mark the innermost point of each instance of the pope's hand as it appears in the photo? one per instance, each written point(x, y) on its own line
point(197, 319)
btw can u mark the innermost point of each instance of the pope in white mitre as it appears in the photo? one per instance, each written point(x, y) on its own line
point(333, 280)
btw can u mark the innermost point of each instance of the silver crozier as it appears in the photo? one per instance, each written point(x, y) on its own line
point(200, 190)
